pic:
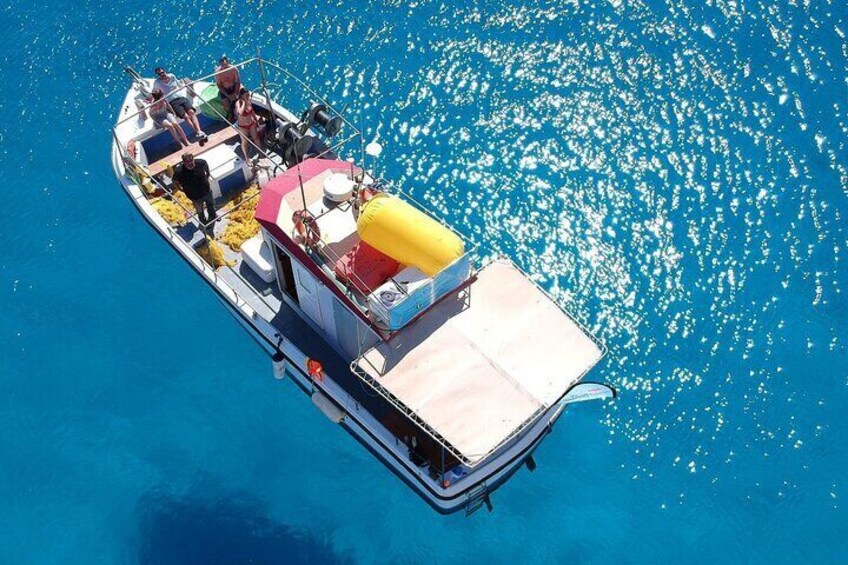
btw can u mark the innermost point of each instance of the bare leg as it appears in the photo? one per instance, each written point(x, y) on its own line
point(191, 118)
point(182, 134)
point(243, 143)
point(171, 128)
point(254, 133)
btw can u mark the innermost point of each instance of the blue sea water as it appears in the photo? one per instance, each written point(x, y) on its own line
point(675, 172)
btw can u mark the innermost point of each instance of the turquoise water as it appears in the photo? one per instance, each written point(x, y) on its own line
point(674, 172)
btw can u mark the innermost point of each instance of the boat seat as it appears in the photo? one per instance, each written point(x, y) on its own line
point(215, 139)
point(160, 143)
point(257, 255)
point(365, 268)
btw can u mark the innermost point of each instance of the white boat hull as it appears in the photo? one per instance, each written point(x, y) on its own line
point(477, 485)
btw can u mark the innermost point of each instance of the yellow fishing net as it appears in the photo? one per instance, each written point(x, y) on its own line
point(144, 181)
point(213, 254)
point(170, 211)
point(241, 222)
point(184, 200)
point(147, 186)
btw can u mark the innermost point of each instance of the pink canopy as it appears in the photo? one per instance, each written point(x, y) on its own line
point(268, 209)
point(283, 192)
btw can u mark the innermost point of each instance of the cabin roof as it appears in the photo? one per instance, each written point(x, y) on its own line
point(483, 363)
point(282, 193)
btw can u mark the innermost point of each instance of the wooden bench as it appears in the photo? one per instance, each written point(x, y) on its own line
point(214, 140)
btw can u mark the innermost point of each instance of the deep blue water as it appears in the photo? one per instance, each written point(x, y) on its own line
point(675, 172)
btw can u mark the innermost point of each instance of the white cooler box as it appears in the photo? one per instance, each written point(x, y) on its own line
point(397, 305)
point(257, 255)
point(227, 171)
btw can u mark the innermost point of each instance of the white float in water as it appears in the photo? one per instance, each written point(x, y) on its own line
point(374, 149)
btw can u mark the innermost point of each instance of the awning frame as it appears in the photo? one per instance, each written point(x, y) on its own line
point(477, 459)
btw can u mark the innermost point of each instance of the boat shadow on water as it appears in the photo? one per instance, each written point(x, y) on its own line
point(227, 530)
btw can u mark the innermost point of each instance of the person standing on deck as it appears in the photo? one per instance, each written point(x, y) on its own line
point(248, 123)
point(170, 85)
point(192, 176)
point(229, 85)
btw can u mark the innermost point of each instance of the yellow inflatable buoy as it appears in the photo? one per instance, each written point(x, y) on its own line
point(408, 235)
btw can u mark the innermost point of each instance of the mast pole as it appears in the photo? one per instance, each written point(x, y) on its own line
point(362, 151)
point(299, 176)
point(272, 122)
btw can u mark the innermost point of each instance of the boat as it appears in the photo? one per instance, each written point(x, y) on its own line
point(448, 367)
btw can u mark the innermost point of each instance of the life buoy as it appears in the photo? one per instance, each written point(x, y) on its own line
point(306, 227)
point(132, 149)
point(129, 158)
point(366, 193)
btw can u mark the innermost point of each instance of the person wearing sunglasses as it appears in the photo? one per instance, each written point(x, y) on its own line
point(192, 177)
point(170, 87)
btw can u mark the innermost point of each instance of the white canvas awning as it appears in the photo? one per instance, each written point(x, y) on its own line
point(483, 363)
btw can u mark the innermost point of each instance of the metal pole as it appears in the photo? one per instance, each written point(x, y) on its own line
point(272, 122)
point(362, 150)
point(443, 461)
point(299, 176)
point(309, 89)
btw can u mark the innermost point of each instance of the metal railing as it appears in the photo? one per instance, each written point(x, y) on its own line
point(331, 149)
point(188, 85)
point(470, 460)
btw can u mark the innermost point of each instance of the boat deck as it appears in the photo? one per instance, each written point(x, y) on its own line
point(454, 397)
point(266, 299)
point(474, 379)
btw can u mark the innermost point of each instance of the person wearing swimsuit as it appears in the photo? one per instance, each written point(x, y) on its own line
point(163, 116)
point(229, 85)
point(248, 123)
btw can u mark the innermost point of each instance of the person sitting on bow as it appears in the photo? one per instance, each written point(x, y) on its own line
point(163, 116)
point(171, 87)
